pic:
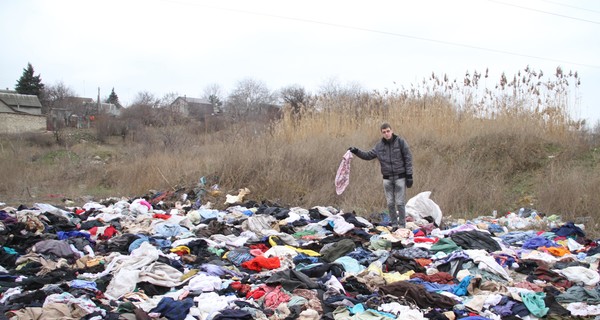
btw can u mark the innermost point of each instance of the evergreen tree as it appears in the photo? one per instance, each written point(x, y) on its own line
point(28, 83)
point(113, 98)
point(214, 100)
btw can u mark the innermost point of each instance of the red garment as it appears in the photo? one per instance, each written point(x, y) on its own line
point(255, 294)
point(161, 197)
point(161, 216)
point(261, 262)
point(259, 292)
point(425, 239)
point(342, 178)
point(261, 246)
point(240, 287)
point(107, 234)
point(440, 277)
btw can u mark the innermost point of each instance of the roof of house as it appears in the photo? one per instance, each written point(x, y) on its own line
point(192, 101)
point(75, 100)
point(13, 99)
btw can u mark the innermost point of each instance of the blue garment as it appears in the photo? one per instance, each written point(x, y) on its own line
point(350, 264)
point(461, 288)
point(173, 309)
point(358, 308)
point(495, 228)
point(160, 243)
point(214, 270)
point(303, 258)
point(433, 286)
point(10, 250)
point(83, 284)
point(169, 230)
point(138, 242)
point(239, 256)
point(568, 229)
point(504, 310)
point(536, 242)
point(62, 235)
point(361, 255)
point(517, 236)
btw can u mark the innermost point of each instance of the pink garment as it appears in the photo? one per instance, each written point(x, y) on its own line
point(342, 178)
point(276, 297)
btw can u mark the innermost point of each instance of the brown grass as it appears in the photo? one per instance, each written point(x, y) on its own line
point(472, 164)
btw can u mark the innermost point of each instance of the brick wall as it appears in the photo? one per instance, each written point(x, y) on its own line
point(15, 123)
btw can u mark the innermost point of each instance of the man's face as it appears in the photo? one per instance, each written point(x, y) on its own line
point(387, 133)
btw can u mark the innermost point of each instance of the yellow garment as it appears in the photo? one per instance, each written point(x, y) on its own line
point(272, 242)
point(382, 229)
point(184, 249)
point(391, 277)
point(93, 262)
point(375, 268)
point(189, 274)
point(563, 243)
point(307, 252)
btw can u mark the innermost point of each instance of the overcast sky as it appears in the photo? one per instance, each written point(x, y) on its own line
point(182, 46)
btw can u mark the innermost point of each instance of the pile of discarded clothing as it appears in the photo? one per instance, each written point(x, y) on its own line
point(143, 259)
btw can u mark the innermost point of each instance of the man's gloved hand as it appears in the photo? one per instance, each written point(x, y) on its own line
point(353, 150)
point(409, 180)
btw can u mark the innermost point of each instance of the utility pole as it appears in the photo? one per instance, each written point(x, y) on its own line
point(98, 103)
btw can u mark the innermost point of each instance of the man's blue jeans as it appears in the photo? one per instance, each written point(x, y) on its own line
point(395, 192)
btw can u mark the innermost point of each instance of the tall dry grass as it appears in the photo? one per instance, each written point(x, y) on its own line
point(473, 159)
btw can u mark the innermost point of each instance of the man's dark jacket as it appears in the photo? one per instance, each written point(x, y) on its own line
point(394, 157)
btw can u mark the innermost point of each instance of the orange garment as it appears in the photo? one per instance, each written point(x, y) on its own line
point(556, 251)
point(423, 262)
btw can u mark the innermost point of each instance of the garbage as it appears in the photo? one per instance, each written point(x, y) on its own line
point(171, 255)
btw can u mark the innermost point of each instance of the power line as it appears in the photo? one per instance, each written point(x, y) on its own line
point(570, 6)
point(456, 44)
point(542, 11)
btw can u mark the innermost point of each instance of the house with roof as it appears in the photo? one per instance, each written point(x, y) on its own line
point(78, 112)
point(13, 102)
point(20, 112)
point(194, 107)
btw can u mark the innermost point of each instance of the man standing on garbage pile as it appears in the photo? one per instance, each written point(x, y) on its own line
point(395, 159)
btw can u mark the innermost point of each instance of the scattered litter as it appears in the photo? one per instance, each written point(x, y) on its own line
point(171, 255)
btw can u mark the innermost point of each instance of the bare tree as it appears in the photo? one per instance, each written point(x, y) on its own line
point(53, 95)
point(249, 97)
point(296, 98)
point(168, 98)
point(146, 98)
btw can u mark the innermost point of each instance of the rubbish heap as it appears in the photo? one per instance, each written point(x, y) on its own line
point(165, 256)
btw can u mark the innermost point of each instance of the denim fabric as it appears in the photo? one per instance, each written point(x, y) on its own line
point(395, 192)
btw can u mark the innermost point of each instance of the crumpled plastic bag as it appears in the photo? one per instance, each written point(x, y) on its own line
point(342, 177)
point(420, 206)
point(230, 199)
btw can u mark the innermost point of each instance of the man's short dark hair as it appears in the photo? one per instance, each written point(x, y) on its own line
point(385, 125)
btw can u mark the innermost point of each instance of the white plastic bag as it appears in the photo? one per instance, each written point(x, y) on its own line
point(420, 206)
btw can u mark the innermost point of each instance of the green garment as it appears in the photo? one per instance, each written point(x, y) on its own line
point(579, 294)
point(446, 245)
point(217, 251)
point(337, 249)
point(535, 303)
point(301, 234)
